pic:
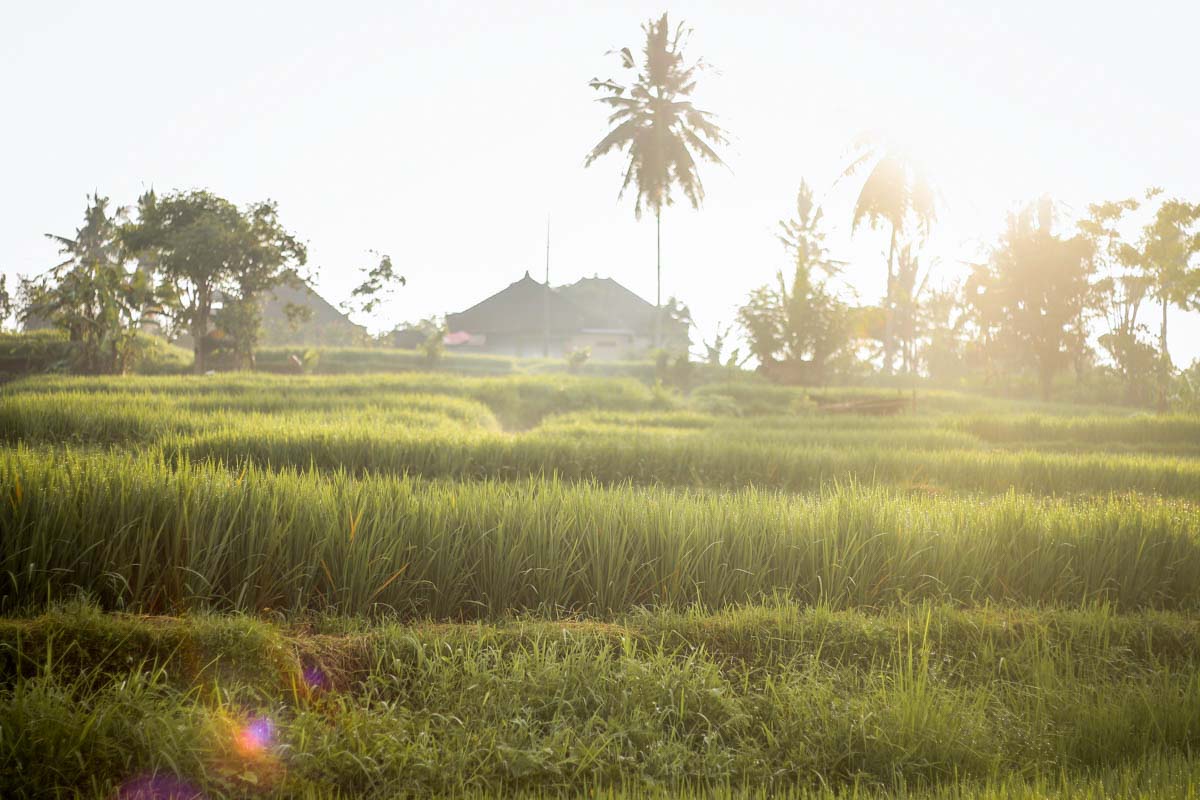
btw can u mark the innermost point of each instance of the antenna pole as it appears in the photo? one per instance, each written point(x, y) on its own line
point(546, 298)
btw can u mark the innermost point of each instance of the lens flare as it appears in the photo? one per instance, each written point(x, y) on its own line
point(158, 787)
point(315, 678)
point(256, 736)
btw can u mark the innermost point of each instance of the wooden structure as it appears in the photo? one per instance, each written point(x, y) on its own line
point(872, 406)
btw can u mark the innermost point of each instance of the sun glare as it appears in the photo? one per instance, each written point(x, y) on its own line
point(530, 399)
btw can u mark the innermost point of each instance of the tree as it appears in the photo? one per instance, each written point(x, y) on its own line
point(1169, 244)
point(378, 284)
point(207, 251)
point(800, 325)
point(6, 302)
point(763, 319)
point(678, 316)
point(1028, 300)
point(1119, 292)
point(942, 316)
point(434, 345)
point(714, 351)
point(271, 258)
point(655, 122)
point(907, 308)
point(94, 295)
point(897, 194)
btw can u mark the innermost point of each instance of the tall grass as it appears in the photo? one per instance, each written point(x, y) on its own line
point(139, 532)
point(518, 401)
point(711, 461)
point(915, 621)
point(80, 417)
point(1131, 429)
point(1072, 704)
point(387, 360)
point(449, 427)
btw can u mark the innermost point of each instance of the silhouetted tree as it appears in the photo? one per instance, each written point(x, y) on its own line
point(897, 194)
point(714, 351)
point(7, 303)
point(1119, 292)
point(907, 307)
point(656, 124)
point(944, 351)
point(1028, 301)
point(800, 323)
point(1169, 246)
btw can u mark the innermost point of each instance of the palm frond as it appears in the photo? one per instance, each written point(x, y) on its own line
point(856, 164)
point(654, 122)
point(706, 152)
point(608, 85)
point(619, 137)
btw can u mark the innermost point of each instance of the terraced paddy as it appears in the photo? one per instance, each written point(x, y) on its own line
point(413, 585)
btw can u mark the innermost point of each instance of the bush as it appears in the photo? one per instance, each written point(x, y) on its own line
point(751, 398)
point(577, 358)
point(50, 351)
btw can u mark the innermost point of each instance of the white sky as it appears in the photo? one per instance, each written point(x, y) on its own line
point(443, 133)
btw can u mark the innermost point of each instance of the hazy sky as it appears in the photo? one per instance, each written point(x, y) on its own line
point(444, 133)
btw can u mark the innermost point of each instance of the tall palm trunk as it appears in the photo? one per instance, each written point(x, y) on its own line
point(1165, 364)
point(889, 333)
point(658, 277)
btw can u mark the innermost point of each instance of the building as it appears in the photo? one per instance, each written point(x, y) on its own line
point(529, 319)
point(321, 325)
point(292, 315)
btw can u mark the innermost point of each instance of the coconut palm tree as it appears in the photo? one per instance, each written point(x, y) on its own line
point(895, 194)
point(93, 295)
point(654, 121)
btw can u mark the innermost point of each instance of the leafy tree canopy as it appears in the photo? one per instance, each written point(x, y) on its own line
point(1029, 300)
point(208, 251)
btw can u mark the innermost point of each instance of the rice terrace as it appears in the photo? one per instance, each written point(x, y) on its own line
point(817, 487)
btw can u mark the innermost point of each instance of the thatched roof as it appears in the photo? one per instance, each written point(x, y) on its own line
point(589, 304)
point(327, 325)
point(521, 308)
point(617, 306)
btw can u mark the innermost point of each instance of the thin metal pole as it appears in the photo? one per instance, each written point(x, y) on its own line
point(546, 298)
point(658, 277)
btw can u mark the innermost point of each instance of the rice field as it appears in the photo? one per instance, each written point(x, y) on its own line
point(437, 585)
